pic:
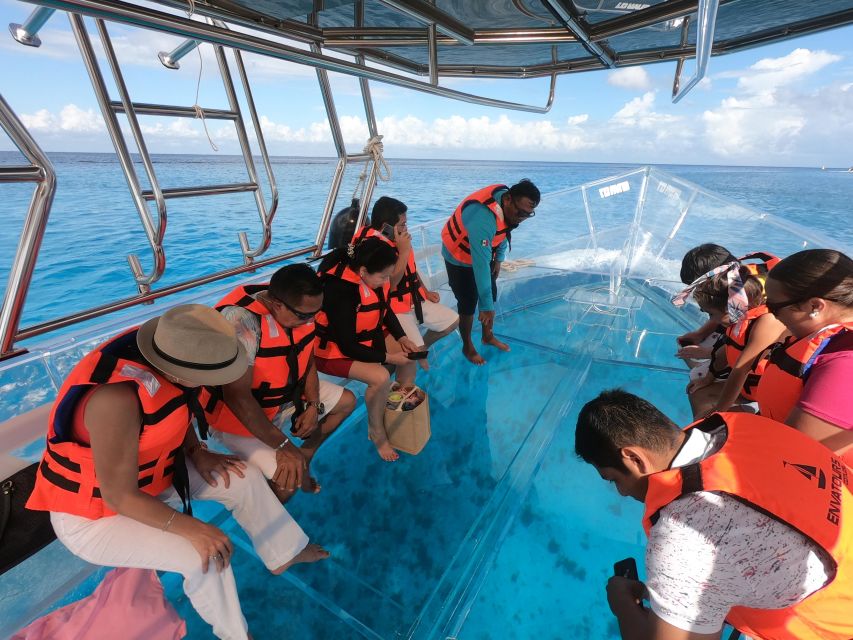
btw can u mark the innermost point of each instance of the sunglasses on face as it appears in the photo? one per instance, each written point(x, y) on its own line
point(302, 315)
point(776, 307)
point(521, 213)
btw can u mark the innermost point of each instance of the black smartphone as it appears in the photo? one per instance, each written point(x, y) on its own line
point(417, 355)
point(388, 231)
point(626, 568)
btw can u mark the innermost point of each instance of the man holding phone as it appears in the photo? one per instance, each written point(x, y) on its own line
point(475, 240)
point(414, 305)
point(749, 522)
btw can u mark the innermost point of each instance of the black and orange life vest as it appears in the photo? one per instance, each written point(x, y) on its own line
point(409, 292)
point(66, 481)
point(766, 261)
point(795, 480)
point(781, 384)
point(281, 363)
point(736, 339)
point(369, 316)
point(454, 236)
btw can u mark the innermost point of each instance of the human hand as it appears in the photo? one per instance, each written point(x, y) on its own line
point(691, 337)
point(693, 352)
point(210, 543)
point(290, 466)
point(407, 345)
point(306, 422)
point(433, 296)
point(403, 239)
point(496, 268)
point(207, 462)
point(624, 594)
point(397, 358)
point(487, 318)
point(698, 383)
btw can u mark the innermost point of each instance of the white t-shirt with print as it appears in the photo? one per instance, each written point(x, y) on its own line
point(709, 552)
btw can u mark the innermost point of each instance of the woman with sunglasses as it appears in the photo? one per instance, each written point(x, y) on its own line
point(351, 329)
point(807, 381)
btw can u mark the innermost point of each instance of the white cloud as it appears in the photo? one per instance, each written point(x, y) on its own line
point(578, 119)
point(632, 78)
point(71, 119)
point(771, 114)
point(770, 74)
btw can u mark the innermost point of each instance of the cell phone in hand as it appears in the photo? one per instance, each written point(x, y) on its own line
point(388, 231)
point(417, 355)
point(626, 568)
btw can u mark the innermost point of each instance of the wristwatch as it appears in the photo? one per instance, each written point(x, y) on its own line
point(321, 408)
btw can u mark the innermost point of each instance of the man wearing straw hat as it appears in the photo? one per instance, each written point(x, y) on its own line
point(121, 451)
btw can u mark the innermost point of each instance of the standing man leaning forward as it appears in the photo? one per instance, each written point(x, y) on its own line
point(275, 324)
point(749, 522)
point(475, 240)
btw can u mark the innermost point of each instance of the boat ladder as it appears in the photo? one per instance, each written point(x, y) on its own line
point(155, 225)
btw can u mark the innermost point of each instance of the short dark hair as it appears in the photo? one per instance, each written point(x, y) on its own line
point(618, 419)
point(700, 260)
point(386, 210)
point(818, 273)
point(714, 292)
point(293, 282)
point(525, 189)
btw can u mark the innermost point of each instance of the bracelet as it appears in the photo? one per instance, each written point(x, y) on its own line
point(283, 444)
point(169, 521)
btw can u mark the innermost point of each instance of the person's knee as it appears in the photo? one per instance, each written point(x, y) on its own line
point(379, 377)
point(346, 404)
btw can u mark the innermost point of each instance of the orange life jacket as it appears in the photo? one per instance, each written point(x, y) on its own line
point(66, 481)
point(369, 316)
point(455, 236)
point(782, 382)
point(737, 337)
point(409, 292)
point(281, 363)
point(797, 481)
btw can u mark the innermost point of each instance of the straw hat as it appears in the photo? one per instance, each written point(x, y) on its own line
point(194, 343)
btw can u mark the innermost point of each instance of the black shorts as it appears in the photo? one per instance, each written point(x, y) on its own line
point(464, 286)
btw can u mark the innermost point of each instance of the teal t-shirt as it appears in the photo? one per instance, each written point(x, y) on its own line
point(482, 226)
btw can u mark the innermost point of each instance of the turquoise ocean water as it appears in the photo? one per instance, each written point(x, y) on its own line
point(496, 530)
point(93, 224)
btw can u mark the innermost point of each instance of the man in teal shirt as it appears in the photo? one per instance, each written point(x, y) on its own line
point(475, 240)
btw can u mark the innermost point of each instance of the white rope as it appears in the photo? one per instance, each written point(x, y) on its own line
point(374, 147)
point(199, 112)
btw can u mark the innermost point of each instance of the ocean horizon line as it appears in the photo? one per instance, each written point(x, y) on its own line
point(238, 156)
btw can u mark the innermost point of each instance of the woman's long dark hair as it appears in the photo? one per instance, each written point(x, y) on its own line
point(816, 273)
point(373, 254)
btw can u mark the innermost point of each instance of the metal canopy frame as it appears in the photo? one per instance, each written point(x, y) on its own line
point(438, 30)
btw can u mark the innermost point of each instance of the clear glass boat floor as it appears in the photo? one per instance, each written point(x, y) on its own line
point(496, 530)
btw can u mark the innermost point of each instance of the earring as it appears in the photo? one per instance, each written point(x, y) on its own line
point(813, 314)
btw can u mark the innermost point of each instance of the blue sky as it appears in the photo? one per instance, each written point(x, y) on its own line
point(790, 103)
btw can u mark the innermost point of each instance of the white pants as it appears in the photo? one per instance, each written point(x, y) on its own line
point(437, 317)
point(119, 541)
point(255, 452)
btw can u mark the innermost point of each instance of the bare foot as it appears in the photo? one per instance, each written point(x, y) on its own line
point(311, 553)
point(387, 452)
point(473, 356)
point(492, 340)
point(310, 484)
